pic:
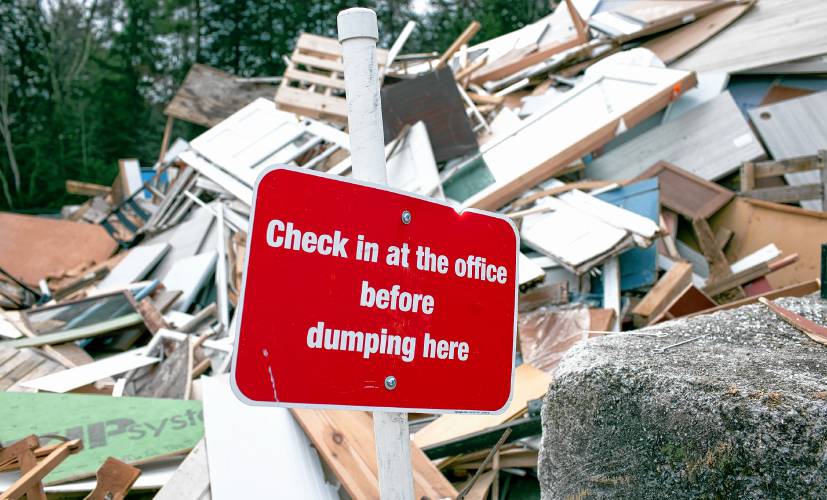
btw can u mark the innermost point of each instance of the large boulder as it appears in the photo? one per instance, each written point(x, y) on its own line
point(740, 413)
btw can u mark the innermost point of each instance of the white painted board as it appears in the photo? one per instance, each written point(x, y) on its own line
point(72, 378)
point(257, 451)
point(192, 479)
point(710, 140)
point(138, 262)
point(189, 275)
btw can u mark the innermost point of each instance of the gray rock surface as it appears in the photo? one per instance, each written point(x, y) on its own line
point(740, 413)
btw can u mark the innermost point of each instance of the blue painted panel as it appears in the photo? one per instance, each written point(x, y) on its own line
point(638, 266)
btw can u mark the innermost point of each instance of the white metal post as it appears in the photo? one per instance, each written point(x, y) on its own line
point(358, 34)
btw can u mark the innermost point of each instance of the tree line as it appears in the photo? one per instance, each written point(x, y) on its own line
point(84, 82)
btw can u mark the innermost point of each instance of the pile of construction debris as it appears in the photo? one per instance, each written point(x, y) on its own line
point(662, 159)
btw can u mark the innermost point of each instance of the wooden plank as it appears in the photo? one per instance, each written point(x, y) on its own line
point(710, 140)
point(464, 37)
point(772, 32)
point(716, 287)
point(87, 188)
point(276, 451)
point(718, 265)
point(529, 383)
point(787, 194)
point(723, 235)
point(775, 168)
point(66, 380)
point(314, 78)
point(480, 488)
point(679, 42)
point(208, 95)
point(191, 480)
point(797, 290)
point(34, 476)
point(527, 155)
point(345, 441)
point(690, 301)
point(686, 193)
point(115, 479)
point(133, 430)
point(810, 328)
point(189, 275)
point(312, 104)
point(94, 330)
point(669, 286)
point(138, 262)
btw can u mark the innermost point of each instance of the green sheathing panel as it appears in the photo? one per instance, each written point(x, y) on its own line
point(468, 181)
point(133, 430)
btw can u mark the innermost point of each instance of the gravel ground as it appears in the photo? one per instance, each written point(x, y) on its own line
point(740, 412)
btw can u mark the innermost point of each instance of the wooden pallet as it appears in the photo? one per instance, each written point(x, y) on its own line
point(313, 83)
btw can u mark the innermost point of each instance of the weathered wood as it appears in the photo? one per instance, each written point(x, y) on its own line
point(87, 188)
point(718, 265)
point(208, 95)
point(786, 194)
point(798, 290)
point(722, 285)
point(115, 479)
point(668, 287)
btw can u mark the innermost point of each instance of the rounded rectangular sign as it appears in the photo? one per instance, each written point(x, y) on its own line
point(359, 296)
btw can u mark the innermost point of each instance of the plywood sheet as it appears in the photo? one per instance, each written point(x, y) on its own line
point(345, 440)
point(796, 127)
point(209, 95)
point(253, 449)
point(772, 32)
point(32, 248)
point(710, 141)
point(133, 430)
point(529, 383)
point(793, 230)
point(434, 99)
point(686, 193)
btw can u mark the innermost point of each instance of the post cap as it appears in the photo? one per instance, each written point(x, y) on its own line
point(357, 22)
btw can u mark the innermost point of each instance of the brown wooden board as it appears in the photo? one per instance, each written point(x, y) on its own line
point(208, 96)
point(793, 230)
point(797, 290)
point(690, 300)
point(434, 99)
point(668, 287)
point(778, 93)
point(686, 193)
point(345, 440)
point(33, 248)
point(676, 43)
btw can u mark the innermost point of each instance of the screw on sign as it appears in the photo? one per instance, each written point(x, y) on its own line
point(359, 296)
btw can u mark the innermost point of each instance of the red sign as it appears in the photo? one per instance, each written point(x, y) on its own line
point(359, 296)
